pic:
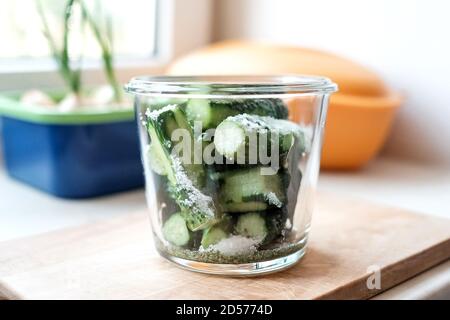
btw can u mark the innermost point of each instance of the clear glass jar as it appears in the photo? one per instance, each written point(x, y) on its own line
point(231, 166)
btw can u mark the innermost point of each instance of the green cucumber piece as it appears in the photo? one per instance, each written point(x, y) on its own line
point(175, 230)
point(264, 226)
point(156, 159)
point(218, 232)
point(170, 125)
point(209, 114)
point(233, 136)
point(252, 225)
point(213, 112)
point(212, 236)
point(159, 151)
point(274, 108)
point(199, 110)
point(184, 182)
point(248, 190)
point(230, 138)
point(195, 171)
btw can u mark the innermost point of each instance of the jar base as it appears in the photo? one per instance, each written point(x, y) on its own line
point(238, 270)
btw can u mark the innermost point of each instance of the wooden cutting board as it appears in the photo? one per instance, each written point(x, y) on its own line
point(115, 259)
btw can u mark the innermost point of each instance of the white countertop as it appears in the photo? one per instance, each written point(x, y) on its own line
point(25, 211)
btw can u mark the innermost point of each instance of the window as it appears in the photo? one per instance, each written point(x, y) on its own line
point(147, 35)
point(21, 27)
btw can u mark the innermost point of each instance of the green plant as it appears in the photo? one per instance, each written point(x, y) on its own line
point(61, 54)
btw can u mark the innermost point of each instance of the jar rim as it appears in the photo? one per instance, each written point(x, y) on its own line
point(229, 85)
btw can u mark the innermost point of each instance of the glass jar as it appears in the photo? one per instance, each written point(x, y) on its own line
point(231, 166)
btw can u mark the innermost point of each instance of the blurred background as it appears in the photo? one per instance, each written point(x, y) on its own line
point(397, 47)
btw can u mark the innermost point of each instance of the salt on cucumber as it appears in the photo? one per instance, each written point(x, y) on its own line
point(195, 171)
point(247, 189)
point(239, 135)
point(184, 182)
point(175, 230)
point(230, 139)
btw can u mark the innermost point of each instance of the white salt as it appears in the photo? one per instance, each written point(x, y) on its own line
point(195, 200)
point(235, 245)
point(273, 199)
point(156, 113)
point(250, 122)
point(288, 224)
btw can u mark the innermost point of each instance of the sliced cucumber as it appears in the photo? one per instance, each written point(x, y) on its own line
point(156, 159)
point(230, 138)
point(274, 108)
point(252, 225)
point(195, 171)
point(248, 190)
point(265, 226)
point(169, 126)
point(238, 136)
point(213, 235)
point(184, 183)
point(218, 232)
point(209, 114)
point(213, 112)
point(199, 110)
point(159, 152)
point(175, 230)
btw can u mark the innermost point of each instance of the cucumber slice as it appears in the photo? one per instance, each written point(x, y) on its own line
point(184, 182)
point(247, 190)
point(229, 139)
point(199, 110)
point(159, 152)
point(210, 113)
point(264, 226)
point(218, 232)
point(175, 230)
point(274, 108)
point(213, 112)
point(212, 236)
point(233, 136)
point(252, 225)
point(169, 126)
point(156, 159)
point(195, 171)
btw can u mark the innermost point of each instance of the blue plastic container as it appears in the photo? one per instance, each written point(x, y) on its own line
point(71, 155)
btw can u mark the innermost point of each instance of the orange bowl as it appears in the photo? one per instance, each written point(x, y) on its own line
point(360, 115)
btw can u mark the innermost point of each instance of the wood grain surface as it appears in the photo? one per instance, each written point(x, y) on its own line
point(115, 259)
